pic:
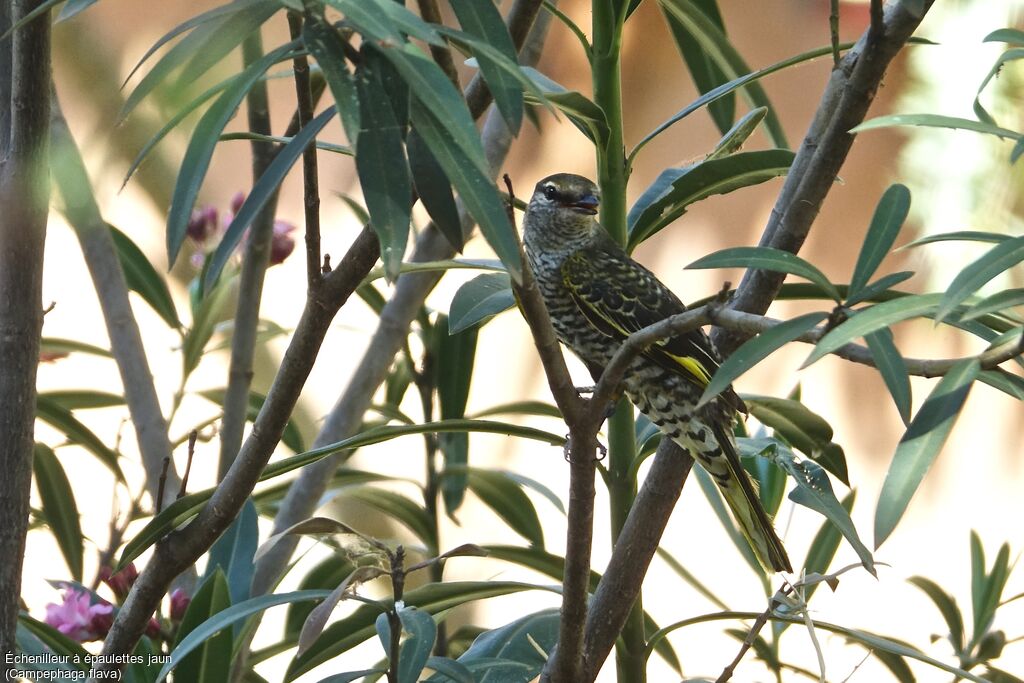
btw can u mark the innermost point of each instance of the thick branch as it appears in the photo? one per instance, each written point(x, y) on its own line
point(843, 105)
point(182, 548)
point(108, 278)
point(25, 197)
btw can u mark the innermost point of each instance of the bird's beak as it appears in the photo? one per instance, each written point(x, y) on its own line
point(586, 204)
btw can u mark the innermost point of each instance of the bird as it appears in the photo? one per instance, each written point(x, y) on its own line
point(596, 296)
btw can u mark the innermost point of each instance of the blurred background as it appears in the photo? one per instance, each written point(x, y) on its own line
point(959, 181)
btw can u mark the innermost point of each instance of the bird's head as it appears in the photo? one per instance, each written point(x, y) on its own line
point(560, 216)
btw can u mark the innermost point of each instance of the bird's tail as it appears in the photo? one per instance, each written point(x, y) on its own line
point(741, 494)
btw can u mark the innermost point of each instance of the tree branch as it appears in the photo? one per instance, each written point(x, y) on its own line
point(844, 104)
point(180, 549)
point(25, 198)
point(100, 254)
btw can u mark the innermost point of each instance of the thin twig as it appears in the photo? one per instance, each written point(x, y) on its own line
point(192, 436)
point(442, 55)
point(161, 485)
point(755, 629)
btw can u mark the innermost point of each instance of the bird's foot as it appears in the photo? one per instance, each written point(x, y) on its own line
point(567, 450)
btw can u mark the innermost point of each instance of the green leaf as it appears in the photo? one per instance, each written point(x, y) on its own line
point(893, 369)
point(921, 444)
point(756, 349)
point(183, 509)
point(479, 300)
point(58, 503)
point(885, 226)
point(215, 34)
point(483, 20)
point(450, 669)
point(522, 408)
point(1003, 381)
point(589, 118)
point(218, 621)
point(420, 632)
point(326, 576)
point(82, 399)
point(768, 258)
point(384, 19)
point(72, 8)
point(998, 302)
point(814, 490)
point(878, 287)
point(141, 277)
point(233, 553)
point(690, 18)
point(201, 146)
point(1006, 35)
point(874, 318)
point(357, 627)
point(706, 74)
point(507, 500)
point(209, 659)
point(958, 236)
point(454, 367)
point(992, 593)
point(326, 45)
point(734, 138)
point(383, 170)
point(1007, 56)
point(52, 345)
point(936, 121)
point(292, 437)
point(261, 193)
point(803, 429)
point(947, 607)
point(477, 191)
point(350, 676)
point(675, 189)
point(212, 308)
point(409, 513)
point(63, 421)
point(996, 260)
point(515, 643)
point(434, 190)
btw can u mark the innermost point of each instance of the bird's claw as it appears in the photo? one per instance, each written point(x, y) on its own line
point(567, 450)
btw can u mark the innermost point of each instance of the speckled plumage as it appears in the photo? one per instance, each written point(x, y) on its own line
point(597, 295)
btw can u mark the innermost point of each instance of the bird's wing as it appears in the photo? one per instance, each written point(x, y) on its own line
point(618, 296)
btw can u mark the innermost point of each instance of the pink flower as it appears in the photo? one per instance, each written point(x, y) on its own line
point(153, 628)
point(282, 244)
point(202, 224)
point(79, 620)
point(179, 603)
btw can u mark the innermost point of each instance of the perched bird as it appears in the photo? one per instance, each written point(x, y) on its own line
point(597, 296)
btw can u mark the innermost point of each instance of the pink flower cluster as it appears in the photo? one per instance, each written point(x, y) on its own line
point(203, 227)
point(78, 617)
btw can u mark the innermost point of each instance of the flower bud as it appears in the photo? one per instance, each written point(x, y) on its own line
point(179, 603)
point(282, 244)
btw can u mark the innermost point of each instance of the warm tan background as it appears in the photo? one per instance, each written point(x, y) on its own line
point(959, 181)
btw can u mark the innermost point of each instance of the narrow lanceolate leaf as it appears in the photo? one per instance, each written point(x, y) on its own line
point(734, 138)
point(292, 437)
point(477, 191)
point(768, 258)
point(455, 355)
point(691, 18)
point(210, 659)
point(587, 116)
point(1008, 56)
point(183, 509)
point(874, 318)
point(419, 632)
point(483, 20)
point(756, 349)
point(73, 7)
point(435, 190)
point(53, 345)
point(506, 498)
point(226, 618)
point(383, 170)
point(998, 302)
point(675, 189)
point(706, 74)
point(879, 287)
point(960, 236)
point(920, 445)
point(515, 643)
point(479, 300)
point(998, 259)
point(67, 424)
point(323, 41)
point(142, 278)
point(885, 225)
point(58, 503)
point(936, 121)
point(73, 399)
point(814, 490)
point(261, 193)
point(893, 369)
point(824, 545)
point(947, 607)
point(233, 553)
point(201, 146)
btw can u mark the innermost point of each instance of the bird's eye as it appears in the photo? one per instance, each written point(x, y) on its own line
point(550, 192)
